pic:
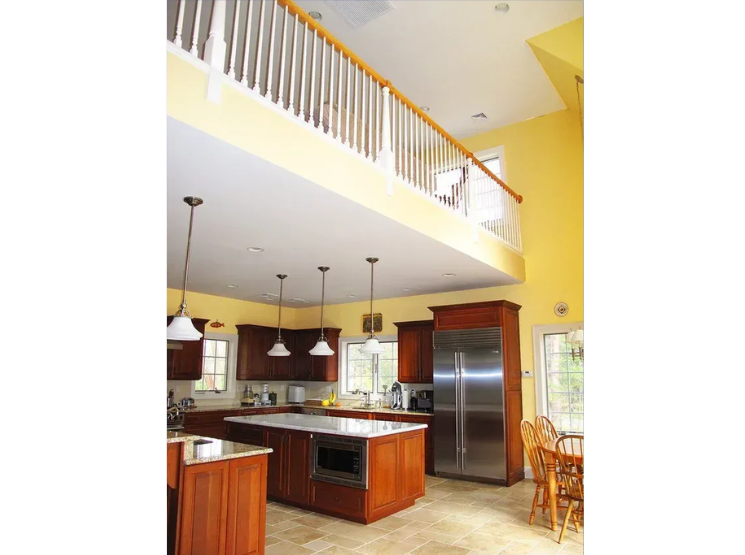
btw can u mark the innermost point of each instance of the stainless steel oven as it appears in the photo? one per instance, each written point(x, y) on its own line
point(340, 460)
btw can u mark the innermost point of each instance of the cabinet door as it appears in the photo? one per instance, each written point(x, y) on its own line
point(383, 474)
point(411, 461)
point(258, 361)
point(326, 368)
point(409, 355)
point(246, 525)
point(280, 367)
point(304, 342)
point(186, 363)
point(204, 509)
point(276, 463)
point(427, 365)
point(298, 466)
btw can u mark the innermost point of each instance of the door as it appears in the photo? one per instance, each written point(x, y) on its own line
point(446, 438)
point(482, 378)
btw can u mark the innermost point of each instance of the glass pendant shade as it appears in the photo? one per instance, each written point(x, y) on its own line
point(279, 349)
point(321, 349)
point(372, 347)
point(181, 329)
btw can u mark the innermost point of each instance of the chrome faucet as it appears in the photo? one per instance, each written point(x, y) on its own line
point(365, 393)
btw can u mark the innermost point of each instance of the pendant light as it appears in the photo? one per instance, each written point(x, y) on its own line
point(279, 349)
point(372, 346)
point(576, 338)
point(181, 327)
point(322, 347)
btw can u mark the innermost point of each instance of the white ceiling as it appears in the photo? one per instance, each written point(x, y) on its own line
point(460, 57)
point(249, 202)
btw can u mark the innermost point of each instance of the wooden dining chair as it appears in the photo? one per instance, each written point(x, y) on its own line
point(537, 464)
point(545, 429)
point(570, 471)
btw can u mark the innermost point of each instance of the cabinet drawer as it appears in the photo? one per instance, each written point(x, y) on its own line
point(359, 415)
point(215, 431)
point(210, 417)
point(245, 434)
point(386, 417)
point(340, 499)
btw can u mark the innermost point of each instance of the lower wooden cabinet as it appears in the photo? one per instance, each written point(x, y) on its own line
point(223, 507)
point(338, 499)
point(429, 448)
point(359, 415)
point(411, 458)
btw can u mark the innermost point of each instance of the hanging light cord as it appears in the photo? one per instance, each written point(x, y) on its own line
point(193, 202)
point(372, 262)
point(279, 323)
point(579, 80)
point(323, 298)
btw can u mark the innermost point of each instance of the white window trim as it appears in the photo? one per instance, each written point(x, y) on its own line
point(232, 340)
point(539, 361)
point(497, 151)
point(343, 342)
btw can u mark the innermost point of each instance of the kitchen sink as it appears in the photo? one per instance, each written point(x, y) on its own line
point(202, 441)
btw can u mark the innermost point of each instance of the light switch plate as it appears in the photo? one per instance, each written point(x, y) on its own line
point(527, 374)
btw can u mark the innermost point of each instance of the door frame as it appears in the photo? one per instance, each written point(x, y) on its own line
point(539, 361)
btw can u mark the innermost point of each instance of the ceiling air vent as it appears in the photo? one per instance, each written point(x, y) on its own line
point(479, 117)
point(359, 12)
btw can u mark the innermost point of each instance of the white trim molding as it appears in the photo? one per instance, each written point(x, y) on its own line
point(539, 361)
point(498, 152)
point(232, 340)
point(343, 342)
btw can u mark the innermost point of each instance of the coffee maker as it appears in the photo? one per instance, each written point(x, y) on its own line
point(397, 393)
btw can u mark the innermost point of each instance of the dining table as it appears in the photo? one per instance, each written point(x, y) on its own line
point(549, 455)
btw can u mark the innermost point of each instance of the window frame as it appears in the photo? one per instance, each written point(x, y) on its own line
point(229, 393)
point(490, 154)
point(342, 383)
point(539, 362)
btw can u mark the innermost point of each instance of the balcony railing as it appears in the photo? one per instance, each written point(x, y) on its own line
point(275, 49)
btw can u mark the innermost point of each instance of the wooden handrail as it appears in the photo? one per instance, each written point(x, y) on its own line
point(294, 9)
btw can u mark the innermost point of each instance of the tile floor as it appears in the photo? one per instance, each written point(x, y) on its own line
point(455, 517)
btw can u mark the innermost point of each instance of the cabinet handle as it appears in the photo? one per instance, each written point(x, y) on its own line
point(336, 499)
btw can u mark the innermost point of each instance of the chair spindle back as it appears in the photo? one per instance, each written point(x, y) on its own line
point(532, 448)
point(545, 428)
point(570, 454)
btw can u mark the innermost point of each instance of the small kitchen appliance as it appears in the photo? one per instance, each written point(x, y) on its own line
point(396, 401)
point(424, 402)
point(296, 394)
point(265, 395)
point(273, 399)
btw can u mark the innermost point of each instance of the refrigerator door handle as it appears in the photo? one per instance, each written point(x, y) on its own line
point(458, 437)
point(462, 404)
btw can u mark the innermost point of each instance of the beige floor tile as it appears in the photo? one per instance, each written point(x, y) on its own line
point(275, 517)
point(272, 529)
point(354, 531)
point(518, 547)
point(459, 497)
point(453, 486)
point(383, 546)
point(315, 520)
point(435, 494)
point(436, 548)
point(285, 548)
point(547, 547)
point(482, 543)
point(391, 523)
point(301, 535)
point(476, 520)
point(430, 481)
point(337, 550)
point(271, 540)
point(318, 545)
point(443, 506)
point(413, 542)
point(423, 501)
point(451, 527)
point(425, 515)
point(432, 534)
point(341, 541)
point(572, 549)
point(407, 531)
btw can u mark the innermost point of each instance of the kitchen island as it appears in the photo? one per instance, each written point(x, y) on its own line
point(216, 495)
point(356, 469)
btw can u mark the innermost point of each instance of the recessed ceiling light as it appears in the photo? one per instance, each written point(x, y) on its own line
point(407, 289)
point(502, 7)
point(255, 249)
point(448, 275)
point(232, 286)
point(424, 108)
point(316, 15)
point(296, 300)
point(351, 296)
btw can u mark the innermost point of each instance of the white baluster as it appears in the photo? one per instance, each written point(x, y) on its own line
point(349, 87)
point(407, 148)
point(301, 113)
point(291, 91)
point(257, 66)
point(179, 23)
point(364, 150)
point(323, 78)
point(330, 130)
point(416, 157)
point(311, 117)
point(508, 212)
point(519, 232)
point(513, 227)
point(270, 65)
point(385, 157)
point(394, 135)
point(234, 39)
point(356, 106)
point(370, 120)
point(195, 31)
point(282, 56)
point(338, 97)
point(247, 41)
point(400, 150)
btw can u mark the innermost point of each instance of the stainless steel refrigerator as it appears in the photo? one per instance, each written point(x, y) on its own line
point(469, 419)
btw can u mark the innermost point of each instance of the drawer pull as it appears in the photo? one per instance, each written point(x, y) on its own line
point(336, 499)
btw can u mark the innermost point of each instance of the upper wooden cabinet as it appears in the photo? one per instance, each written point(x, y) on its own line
point(415, 359)
point(186, 363)
point(472, 315)
point(254, 364)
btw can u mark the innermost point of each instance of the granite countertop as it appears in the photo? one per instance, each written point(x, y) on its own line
point(328, 424)
point(214, 449)
point(235, 406)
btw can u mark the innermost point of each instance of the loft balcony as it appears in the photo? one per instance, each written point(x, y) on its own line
point(263, 76)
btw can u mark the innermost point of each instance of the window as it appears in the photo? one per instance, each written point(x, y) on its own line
point(214, 366)
point(560, 379)
point(366, 372)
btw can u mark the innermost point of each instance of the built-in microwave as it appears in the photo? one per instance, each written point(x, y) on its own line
point(340, 460)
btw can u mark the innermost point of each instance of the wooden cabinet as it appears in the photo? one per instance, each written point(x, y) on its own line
point(223, 508)
point(208, 424)
point(358, 414)
point(254, 364)
point(415, 357)
point(186, 363)
point(297, 484)
point(411, 458)
point(504, 315)
point(275, 478)
point(429, 449)
point(338, 499)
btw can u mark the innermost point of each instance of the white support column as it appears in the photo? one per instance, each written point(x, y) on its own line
point(214, 49)
point(385, 157)
point(179, 23)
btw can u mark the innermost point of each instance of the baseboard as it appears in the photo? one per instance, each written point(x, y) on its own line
point(528, 473)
